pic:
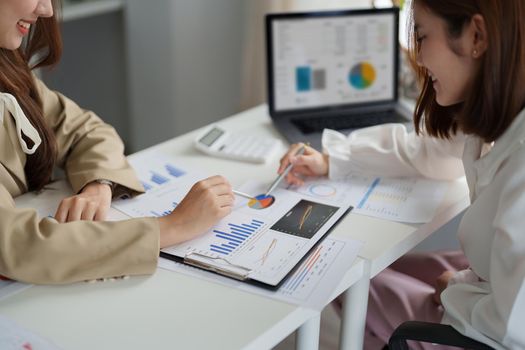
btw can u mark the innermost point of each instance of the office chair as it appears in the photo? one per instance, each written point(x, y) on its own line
point(431, 333)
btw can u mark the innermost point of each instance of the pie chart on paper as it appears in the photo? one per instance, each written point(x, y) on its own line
point(362, 75)
point(261, 201)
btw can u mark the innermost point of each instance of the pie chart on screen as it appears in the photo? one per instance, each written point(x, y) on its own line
point(362, 75)
point(261, 201)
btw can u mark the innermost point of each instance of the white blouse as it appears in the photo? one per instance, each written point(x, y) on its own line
point(487, 301)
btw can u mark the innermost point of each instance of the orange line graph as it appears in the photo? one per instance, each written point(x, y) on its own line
point(268, 251)
point(306, 214)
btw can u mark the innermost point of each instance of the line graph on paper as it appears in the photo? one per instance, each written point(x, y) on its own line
point(267, 252)
point(306, 277)
point(386, 197)
point(401, 199)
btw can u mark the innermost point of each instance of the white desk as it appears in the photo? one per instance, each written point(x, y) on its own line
point(168, 309)
point(172, 310)
point(163, 311)
point(385, 241)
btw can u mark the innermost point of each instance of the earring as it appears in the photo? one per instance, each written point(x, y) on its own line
point(475, 53)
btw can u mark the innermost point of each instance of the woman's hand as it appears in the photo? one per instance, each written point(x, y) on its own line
point(207, 202)
point(92, 203)
point(310, 163)
point(441, 284)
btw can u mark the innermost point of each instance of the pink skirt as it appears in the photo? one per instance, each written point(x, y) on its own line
point(403, 292)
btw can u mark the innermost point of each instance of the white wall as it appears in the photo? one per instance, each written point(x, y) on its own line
point(184, 62)
point(91, 70)
point(154, 70)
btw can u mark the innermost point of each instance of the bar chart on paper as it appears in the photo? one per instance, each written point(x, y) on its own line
point(386, 199)
point(226, 239)
point(156, 203)
point(158, 214)
point(161, 176)
point(312, 282)
point(405, 199)
point(234, 236)
point(165, 184)
point(397, 199)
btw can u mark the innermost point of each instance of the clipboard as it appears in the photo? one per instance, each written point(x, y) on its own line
point(225, 267)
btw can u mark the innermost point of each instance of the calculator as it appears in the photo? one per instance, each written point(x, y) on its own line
point(239, 146)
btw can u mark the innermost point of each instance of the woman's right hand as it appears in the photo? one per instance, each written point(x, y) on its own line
point(310, 163)
point(207, 202)
point(441, 284)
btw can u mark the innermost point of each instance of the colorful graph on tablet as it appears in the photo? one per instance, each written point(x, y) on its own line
point(305, 219)
point(362, 75)
point(261, 201)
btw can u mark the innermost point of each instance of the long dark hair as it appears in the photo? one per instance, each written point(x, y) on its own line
point(498, 92)
point(42, 48)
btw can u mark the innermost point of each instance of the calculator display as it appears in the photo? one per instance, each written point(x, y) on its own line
point(211, 137)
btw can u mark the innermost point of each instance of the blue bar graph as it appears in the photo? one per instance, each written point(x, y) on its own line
point(173, 171)
point(303, 78)
point(146, 185)
point(158, 178)
point(218, 249)
point(165, 212)
point(369, 192)
point(234, 236)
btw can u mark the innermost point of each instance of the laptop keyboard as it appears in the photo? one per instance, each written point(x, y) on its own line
point(311, 125)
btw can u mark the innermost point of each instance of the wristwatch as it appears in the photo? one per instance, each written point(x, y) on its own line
point(106, 182)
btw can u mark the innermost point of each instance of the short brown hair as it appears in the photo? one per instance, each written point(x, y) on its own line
point(498, 92)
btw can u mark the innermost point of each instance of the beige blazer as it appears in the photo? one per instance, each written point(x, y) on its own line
point(43, 251)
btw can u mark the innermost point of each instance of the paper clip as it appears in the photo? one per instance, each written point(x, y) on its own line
point(218, 265)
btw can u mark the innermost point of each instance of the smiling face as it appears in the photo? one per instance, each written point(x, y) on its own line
point(451, 63)
point(17, 17)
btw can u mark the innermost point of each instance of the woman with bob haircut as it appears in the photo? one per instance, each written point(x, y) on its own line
point(470, 58)
point(40, 129)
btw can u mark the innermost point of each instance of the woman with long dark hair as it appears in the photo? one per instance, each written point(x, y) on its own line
point(470, 56)
point(41, 129)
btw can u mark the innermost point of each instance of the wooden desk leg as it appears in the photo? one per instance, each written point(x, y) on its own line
point(307, 336)
point(353, 318)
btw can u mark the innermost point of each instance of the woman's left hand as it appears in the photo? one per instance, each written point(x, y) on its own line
point(92, 203)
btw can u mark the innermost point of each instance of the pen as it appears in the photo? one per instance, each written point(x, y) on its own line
point(242, 194)
point(285, 172)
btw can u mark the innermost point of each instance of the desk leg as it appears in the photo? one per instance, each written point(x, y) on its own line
point(353, 319)
point(307, 336)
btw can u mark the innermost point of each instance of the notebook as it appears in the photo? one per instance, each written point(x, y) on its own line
point(336, 70)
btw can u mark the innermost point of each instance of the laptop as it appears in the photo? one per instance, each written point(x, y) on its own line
point(336, 70)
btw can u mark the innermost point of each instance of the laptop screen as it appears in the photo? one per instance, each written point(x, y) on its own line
point(330, 59)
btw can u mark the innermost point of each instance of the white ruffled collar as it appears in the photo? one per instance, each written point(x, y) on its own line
point(23, 125)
